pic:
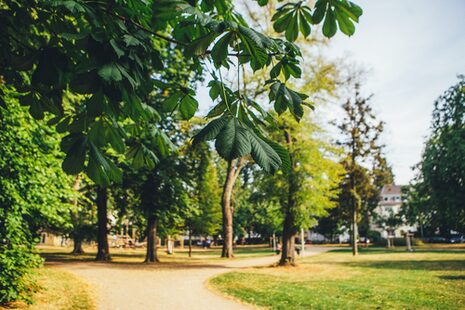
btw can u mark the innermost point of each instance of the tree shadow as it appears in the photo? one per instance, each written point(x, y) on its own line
point(85, 264)
point(434, 265)
point(461, 278)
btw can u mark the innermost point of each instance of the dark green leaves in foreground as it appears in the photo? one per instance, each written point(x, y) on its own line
point(235, 140)
point(285, 98)
point(292, 18)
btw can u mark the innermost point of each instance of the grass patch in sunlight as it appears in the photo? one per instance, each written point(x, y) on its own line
point(376, 279)
point(59, 290)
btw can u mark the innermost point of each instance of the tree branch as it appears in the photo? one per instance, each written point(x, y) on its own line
point(141, 27)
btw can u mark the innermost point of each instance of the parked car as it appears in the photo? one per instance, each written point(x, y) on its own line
point(437, 239)
point(457, 239)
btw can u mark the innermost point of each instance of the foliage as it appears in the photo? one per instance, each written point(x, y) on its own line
point(34, 194)
point(204, 190)
point(316, 173)
point(360, 138)
point(112, 53)
point(442, 163)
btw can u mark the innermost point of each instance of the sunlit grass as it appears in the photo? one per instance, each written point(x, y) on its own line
point(376, 279)
point(59, 290)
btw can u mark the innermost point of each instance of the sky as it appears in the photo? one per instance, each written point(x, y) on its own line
point(413, 50)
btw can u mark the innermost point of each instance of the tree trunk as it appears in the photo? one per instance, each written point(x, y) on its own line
point(151, 254)
point(233, 172)
point(354, 232)
point(190, 242)
point(77, 248)
point(288, 245)
point(103, 253)
point(289, 229)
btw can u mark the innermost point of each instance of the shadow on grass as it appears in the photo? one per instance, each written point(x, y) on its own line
point(436, 265)
point(399, 250)
point(133, 260)
point(409, 262)
point(461, 278)
point(136, 265)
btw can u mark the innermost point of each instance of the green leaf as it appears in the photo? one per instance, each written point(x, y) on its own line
point(119, 52)
point(100, 169)
point(233, 141)
point(110, 72)
point(320, 10)
point(76, 154)
point(254, 46)
point(305, 24)
point(329, 25)
point(141, 157)
point(200, 45)
point(292, 30)
point(115, 137)
point(220, 50)
point(188, 106)
point(131, 41)
point(263, 154)
point(282, 153)
point(171, 103)
point(345, 25)
point(217, 110)
point(212, 129)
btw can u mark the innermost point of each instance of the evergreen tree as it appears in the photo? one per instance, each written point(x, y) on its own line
point(361, 132)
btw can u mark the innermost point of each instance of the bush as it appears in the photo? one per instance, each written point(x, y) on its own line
point(17, 259)
point(33, 191)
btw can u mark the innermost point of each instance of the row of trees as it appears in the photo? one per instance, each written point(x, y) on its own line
point(112, 80)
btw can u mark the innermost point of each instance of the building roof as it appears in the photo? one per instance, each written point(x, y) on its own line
point(391, 189)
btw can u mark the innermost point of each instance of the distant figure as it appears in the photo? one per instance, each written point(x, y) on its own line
point(278, 249)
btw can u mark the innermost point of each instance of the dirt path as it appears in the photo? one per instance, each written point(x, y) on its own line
point(140, 287)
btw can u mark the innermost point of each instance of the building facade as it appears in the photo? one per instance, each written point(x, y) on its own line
point(384, 217)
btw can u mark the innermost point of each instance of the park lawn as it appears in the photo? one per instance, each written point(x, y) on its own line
point(376, 279)
point(58, 290)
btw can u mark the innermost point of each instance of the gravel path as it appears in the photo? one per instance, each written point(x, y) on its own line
point(121, 286)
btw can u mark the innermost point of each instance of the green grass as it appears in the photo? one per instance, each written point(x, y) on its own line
point(58, 290)
point(376, 279)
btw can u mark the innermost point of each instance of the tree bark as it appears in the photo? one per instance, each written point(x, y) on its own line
point(77, 248)
point(103, 253)
point(151, 254)
point(77, 240)
point(354, 232)
point(288, 246)
point(233, 172)
point(289, 229)
point(190, 242)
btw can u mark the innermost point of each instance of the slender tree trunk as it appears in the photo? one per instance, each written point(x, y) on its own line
point(103, 253)
point(289, 229)
point(77, 240)
point(151, 254)
point(190, 242)
point(233, 172)
point(77, 248)
point(354, 232)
